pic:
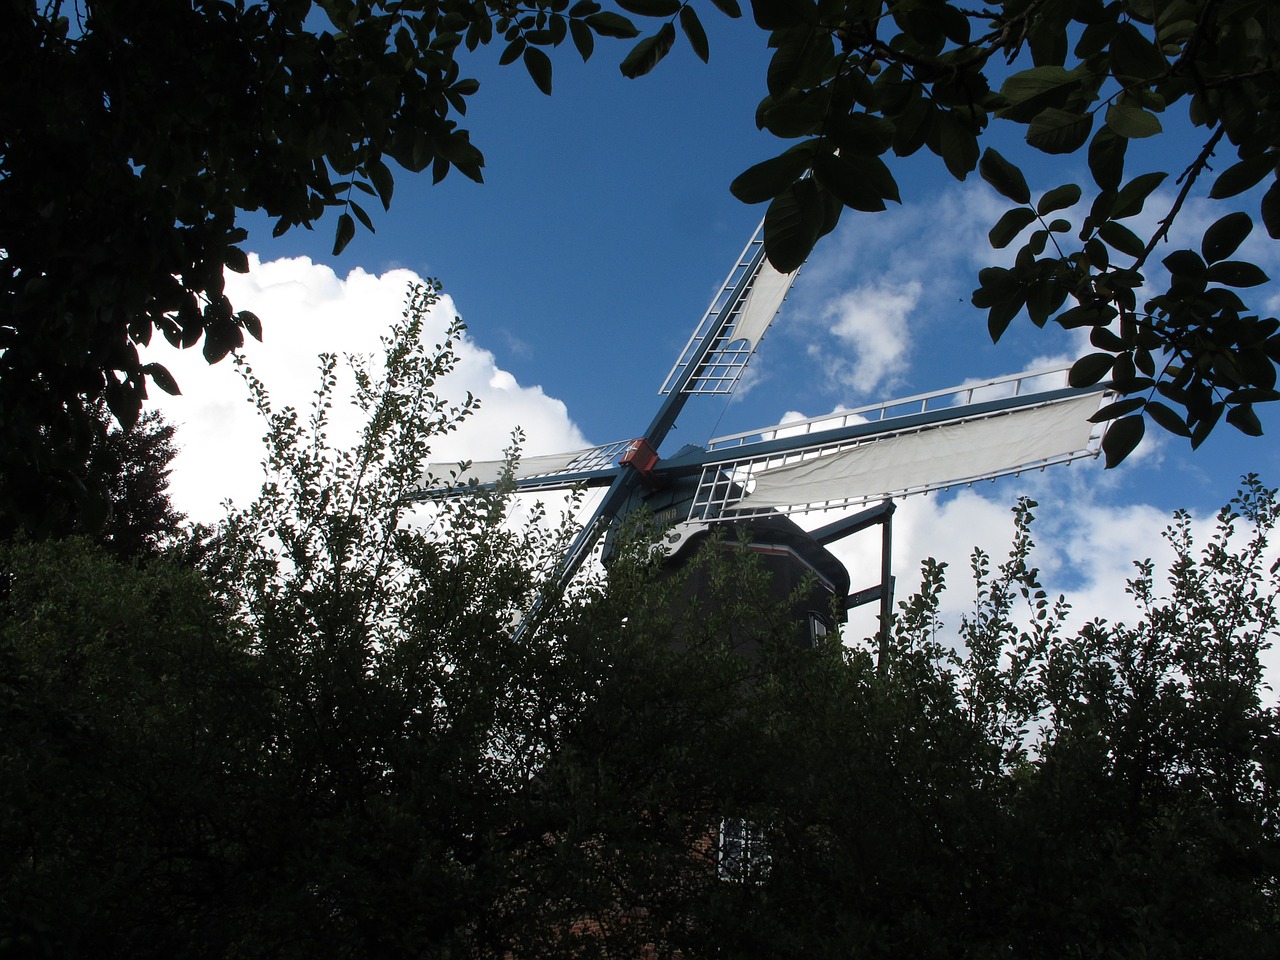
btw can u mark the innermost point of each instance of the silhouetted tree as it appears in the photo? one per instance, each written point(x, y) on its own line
point(335, 744)
point(105, 483)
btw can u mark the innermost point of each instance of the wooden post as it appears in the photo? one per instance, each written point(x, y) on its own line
point(886, 590)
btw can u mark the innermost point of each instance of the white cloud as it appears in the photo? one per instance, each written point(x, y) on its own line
point(942, 240)
point(307, 310)
point(885, 299)
point(872, 321)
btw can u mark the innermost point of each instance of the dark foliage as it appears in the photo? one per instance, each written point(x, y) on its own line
point(133, 135)
point(108, 484)
point(335, 745)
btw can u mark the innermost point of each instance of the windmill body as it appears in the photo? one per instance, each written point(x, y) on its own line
point(753, 481)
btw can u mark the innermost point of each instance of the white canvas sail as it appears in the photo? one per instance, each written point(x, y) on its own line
point(488, 471)
point(762, 304)
point(933, 457)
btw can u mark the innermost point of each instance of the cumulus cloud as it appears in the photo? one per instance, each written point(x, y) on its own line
point(872, 322)
point(941, 241)
point(306, 310)
point(887, 295)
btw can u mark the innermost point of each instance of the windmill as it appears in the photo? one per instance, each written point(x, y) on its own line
point(755, 481)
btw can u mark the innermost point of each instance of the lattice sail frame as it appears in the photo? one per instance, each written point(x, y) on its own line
point(592, 460)
point(724, 363)
point(725, 483)
point(599, 457)
point(546, 472)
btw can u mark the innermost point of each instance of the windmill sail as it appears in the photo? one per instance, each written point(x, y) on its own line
point(549, 471)
point(847, 460)
point(927, 459)
point(762, 303)
point(918, 444)
point(737, 319)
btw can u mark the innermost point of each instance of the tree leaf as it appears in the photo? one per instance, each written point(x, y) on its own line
point(1044, 295)
point(1107, 339)
point(651, 8)
point(220, 339)
point(124, 404)
point(1132, 122)
point(1119, 237)
point(992, 283)
point(539, 66)
point(1119, 408)
point(954, 23)
point(610, 24)
point(861, 183)
point(456, 148)
point(1009, 226)
point(797, 52)
point(1004, 176)
point(1059, 198)
point(1090, 368)
point(1236, 273)
point(955, 142)
point(380, 176)
point(362, 215)
point(235, 260)
point(1106, 158)
point(913, 126)
point(729, 8)
point(1004, 311)
point(800, 116)
point(1225, 236)
point(1241, 176)
point(1134, 57)
point(1243, 418)
point(1057, 131)
point(1254, 394)
point(162, 378)
point(792, 225)
point(346, 230)
point(1029, 92)
point(1167, 418)
point(1128, 202)
point(583, 39)
point(249, 320)
point(646, 54)
point(859, 133)
point(1087, 315)
point(1271, 210)
point(1121, 438)
point(512, 51)
point(1206, 418)
point(781, 14)
point(1185, 263)
point(767, 179)
point(838, 175)
point(694, 33)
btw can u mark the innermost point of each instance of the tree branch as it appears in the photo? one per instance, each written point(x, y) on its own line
point(1188, 179)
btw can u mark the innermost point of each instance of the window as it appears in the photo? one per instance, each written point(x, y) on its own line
point(819, 626)
point(743, 852)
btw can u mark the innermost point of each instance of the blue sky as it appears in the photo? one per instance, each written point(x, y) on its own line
point(604, 228)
